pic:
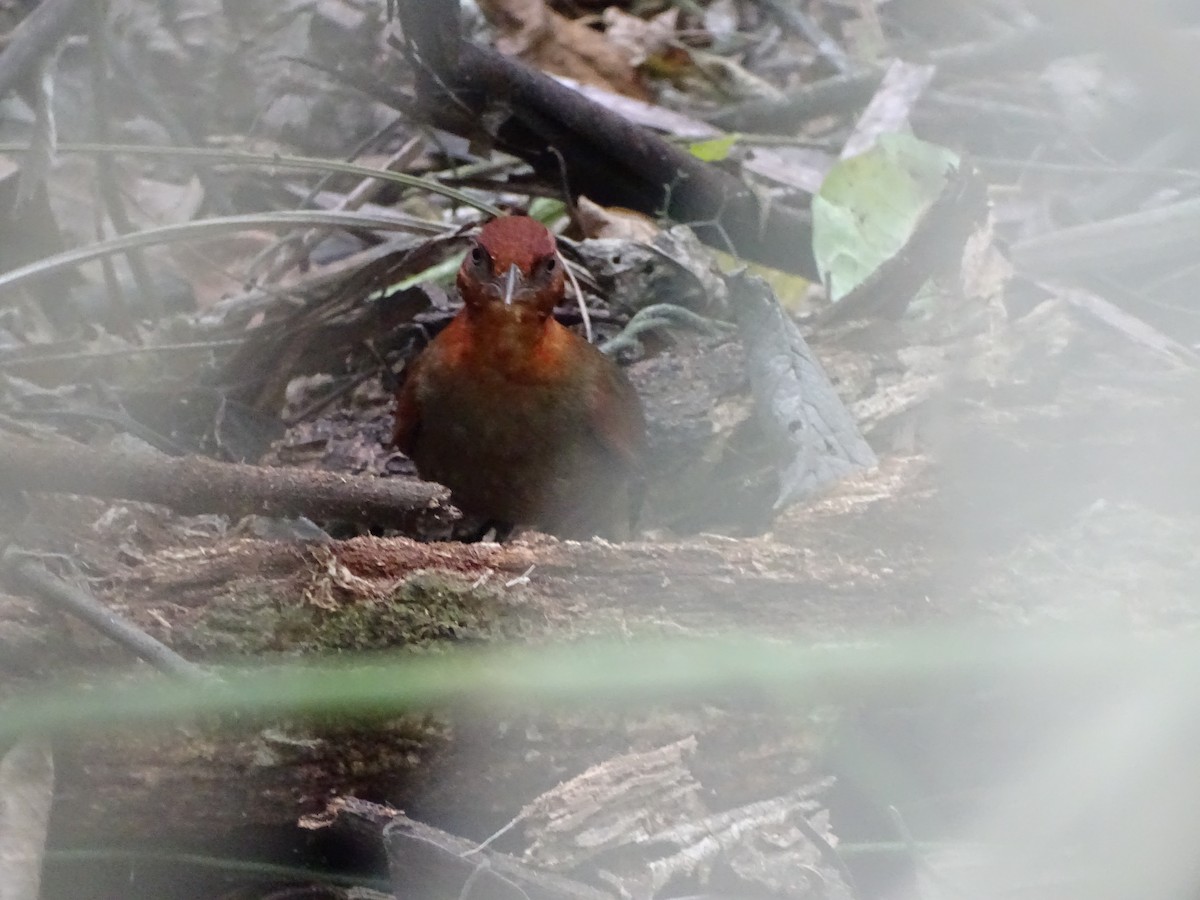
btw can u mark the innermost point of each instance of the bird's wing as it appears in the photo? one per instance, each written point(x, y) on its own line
point(408, 411)
point(617, 420)
point(620, 426)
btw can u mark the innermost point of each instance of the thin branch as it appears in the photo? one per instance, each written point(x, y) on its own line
point(29, 574)
point(194, 485)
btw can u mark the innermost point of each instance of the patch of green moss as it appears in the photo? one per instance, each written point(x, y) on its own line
point(234, 626)
point(429, 608)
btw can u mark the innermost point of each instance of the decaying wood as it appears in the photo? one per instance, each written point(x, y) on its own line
point(193, 484)
point(624, 800)
point(635, 822)
point(428, 862)
point(639, 822)
point(243, 599)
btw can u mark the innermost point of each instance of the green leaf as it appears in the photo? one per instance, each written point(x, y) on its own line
point(714, 149)
point(547, 210)
point(868, 205)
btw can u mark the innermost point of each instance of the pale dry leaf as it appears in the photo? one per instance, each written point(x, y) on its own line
point(26, 795)
point(888, 112)
point(648, 115)
point(985, 270)
point(612, 222)
point(722, 20)
point(216, 268)
point(153, 203)
point(521, 24)
point(640, 38)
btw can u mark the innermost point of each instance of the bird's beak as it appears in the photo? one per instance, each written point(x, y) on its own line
point(510, 283)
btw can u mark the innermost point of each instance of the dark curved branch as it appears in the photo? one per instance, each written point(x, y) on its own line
point(482, 95)
point(34, 38)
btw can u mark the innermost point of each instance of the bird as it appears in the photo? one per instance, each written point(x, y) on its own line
point(526, 423)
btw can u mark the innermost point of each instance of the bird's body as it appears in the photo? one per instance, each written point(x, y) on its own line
point(524, 421)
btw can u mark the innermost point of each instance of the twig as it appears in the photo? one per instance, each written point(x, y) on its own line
point(659, 315)
point(367, 189)
point(442, 863)
point(28, 573)
point(580, 301)
point(1134, 240)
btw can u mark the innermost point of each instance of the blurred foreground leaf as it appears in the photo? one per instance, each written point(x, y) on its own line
point(714, 149)
point(624, 673)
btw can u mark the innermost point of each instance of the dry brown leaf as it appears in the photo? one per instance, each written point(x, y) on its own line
point(522, 24)
point(553, 43)
point(152, 203)
point(615, 222)
point(215, 267)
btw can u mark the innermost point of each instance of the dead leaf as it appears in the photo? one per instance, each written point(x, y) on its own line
point(615, 222)
point(26, 794)
point(523, 24)
point(640, 38)
point(555, 44)
point(154, 203)
point(888, 112)
point(985, 270)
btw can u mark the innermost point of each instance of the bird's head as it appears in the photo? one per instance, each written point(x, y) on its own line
point(513, 270)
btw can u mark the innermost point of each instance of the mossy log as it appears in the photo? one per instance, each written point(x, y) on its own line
point(1019, 510)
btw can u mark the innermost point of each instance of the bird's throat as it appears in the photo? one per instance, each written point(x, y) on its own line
point(520, 347)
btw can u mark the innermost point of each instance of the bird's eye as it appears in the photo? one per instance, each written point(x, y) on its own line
point(477, 255)
point(549, 265)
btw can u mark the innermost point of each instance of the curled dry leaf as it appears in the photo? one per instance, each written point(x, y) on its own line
point(555, 44)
